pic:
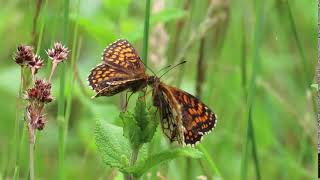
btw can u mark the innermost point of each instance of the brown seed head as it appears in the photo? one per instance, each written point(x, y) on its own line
point(58, 53)
point(40, 92)
point(36, 63)
point(24, 55)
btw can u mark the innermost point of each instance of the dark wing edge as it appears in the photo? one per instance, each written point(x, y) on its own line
point(198, 119)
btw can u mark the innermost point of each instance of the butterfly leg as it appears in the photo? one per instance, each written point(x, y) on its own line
point(145, 93)
point(127, 100)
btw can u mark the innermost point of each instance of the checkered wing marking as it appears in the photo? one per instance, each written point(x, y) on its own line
point(122, 55)
point(107, 81)
point(197, 118)
point(168, 116)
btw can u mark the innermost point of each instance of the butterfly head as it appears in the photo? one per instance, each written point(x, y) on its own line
point(153, 80)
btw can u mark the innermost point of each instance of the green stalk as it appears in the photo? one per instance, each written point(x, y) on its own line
point(299, 44)
point(135, 151)
point(17, 139)
point(210, 161)
point(250, 139)
point(61, 98)
point(71, 73)
point(146, 33)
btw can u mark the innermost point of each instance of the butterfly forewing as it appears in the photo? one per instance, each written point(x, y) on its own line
point(121, 69)
point(122, 55)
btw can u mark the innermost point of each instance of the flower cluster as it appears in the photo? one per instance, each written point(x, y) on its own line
point(23, 55)
point(26, 56)
point(39, 94)
point(58, 53)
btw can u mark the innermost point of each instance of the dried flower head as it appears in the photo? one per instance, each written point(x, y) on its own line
point(24, 55)
point(35, 118)
point(40, 123)
point(41, 92)
point(58, 53)
point(35, 64)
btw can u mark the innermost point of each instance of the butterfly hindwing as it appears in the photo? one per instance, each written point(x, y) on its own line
point(197, 118)
point(190, 119)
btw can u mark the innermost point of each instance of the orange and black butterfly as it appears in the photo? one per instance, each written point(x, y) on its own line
point(183, 117)
point(122, 69)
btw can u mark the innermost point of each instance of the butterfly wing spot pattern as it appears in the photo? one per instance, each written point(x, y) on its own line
point(197, 118)
point(121, 69)
point(122, 54)
point(190, 118)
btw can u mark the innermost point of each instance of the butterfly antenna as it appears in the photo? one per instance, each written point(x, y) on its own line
point(164, 68)
point(148, 68)
point(182, 62)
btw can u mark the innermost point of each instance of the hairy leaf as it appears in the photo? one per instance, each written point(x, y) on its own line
point(113, 147)
point(130, 129)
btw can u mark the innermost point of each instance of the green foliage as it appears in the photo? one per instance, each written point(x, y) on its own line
point(315, 86)
point(142, 167)
point(140, 127)
point(114, 143)
point(113, 147)
point(284, 107)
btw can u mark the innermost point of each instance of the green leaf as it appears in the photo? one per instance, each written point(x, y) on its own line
point(143, 166)
point(151, 127)
point(113, 147)
point(145, 120)
point(130, 129)
point(141, 114)
point(316, 86)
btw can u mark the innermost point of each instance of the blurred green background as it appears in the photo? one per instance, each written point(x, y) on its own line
point(264, 49)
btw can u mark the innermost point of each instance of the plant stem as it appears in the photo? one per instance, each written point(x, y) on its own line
point(17, 126)
point(146, 33)
point(31, 131)
point(299, 44)
point(133, 159)
point(61, 99)
point(251, 95)
point(31, 160)
point(211, 163)
point(135, 150)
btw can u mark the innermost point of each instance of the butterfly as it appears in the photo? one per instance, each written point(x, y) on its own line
point(122, 69)
point(183, 117)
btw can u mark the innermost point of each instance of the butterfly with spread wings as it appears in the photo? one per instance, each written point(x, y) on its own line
point(122, 69)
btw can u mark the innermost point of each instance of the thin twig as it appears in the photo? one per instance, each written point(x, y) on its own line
point(200, 68)
point(35, 19)
point(31, 131)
